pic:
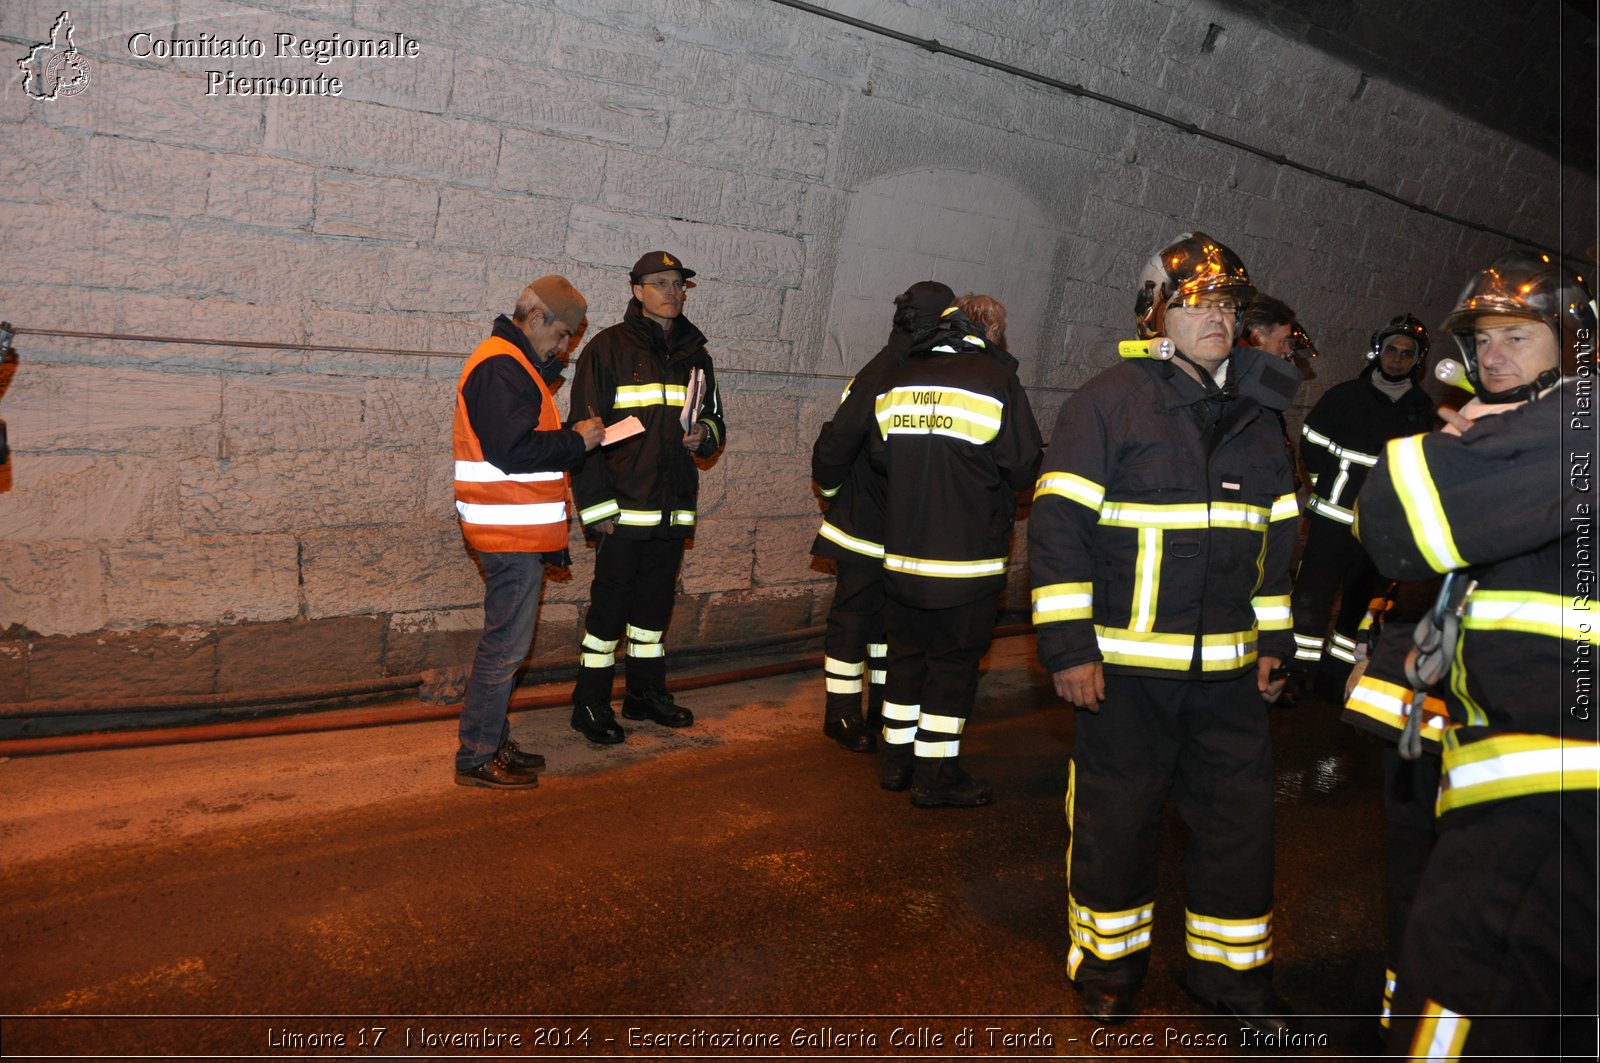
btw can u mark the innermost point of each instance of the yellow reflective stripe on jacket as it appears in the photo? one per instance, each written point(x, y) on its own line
point(1145, 649)
point(1514, 765)
point(828, 492)
point(639, 518)
point(682, 517)
point(1227, 651)
point(1239, 515)
point(1530, 612)
point(945, 411)
point(1063, 601)
point(634, 396)
point(1390, 704)
point(599, 511)
point(1146, 580)
point(1184, 516)
point(1272, 612)
point(865, 547)
point(1430, 528)
point(922, 566)
point(1474, 713)
point(1284, 507)
point(1070, 485)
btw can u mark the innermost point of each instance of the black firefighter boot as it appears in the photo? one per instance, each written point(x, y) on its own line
point(842, 722)
point(939, 782)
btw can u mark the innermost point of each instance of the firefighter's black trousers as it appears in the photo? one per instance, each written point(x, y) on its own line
point(1333, 566)
point(933, 674)
point(1499, 955)
point(1205, 744)
point(632, 595)
point(853, 645)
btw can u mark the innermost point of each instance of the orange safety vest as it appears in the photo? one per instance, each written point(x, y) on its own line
point(507, 512)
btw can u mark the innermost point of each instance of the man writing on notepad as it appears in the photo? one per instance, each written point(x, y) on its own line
point(636, 496)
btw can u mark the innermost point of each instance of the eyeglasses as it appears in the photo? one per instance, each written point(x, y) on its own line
point(667, 286)
point(1199, 304)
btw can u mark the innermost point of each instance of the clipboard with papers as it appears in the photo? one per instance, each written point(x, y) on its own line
point(694, 397)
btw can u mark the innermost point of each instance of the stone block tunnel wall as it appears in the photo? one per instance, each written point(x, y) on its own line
point(188, 519)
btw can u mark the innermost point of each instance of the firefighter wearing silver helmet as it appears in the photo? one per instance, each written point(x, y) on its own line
point(1163, 523)
point(1499, 950)
point(1506, 359)
point(1339, 442)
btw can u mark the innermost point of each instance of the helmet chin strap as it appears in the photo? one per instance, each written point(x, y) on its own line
point(1522, 393)
point(1207, 381)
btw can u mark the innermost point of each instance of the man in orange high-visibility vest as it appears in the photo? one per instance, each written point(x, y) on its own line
point(511, 461)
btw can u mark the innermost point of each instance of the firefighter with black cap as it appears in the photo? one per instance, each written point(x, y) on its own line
point(855, 653)
point(1339, 442)
point(637, 495)
point(1499, 955)
point(1160, 540)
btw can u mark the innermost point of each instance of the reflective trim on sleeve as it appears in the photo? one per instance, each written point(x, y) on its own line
point(1069, 485)
point(1284, 507)
point(1272, 612)
point(828, 492)
point(599, 511)
point(1063, 601)
point(864, 547)
point(1390, 704)
point(1430, 528)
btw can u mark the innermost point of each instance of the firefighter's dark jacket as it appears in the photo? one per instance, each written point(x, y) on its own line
point(649, 482)
point(1501, 503)
point(1344, 433)
point(955, 440)
point(1162, 526)
point(853, 526)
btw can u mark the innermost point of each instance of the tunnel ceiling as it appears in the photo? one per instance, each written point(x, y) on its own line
point(1526, 69)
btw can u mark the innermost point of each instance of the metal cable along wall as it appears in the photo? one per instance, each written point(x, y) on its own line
point(934, 46)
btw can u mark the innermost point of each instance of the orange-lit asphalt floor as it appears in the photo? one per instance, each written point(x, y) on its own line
point(740, 889)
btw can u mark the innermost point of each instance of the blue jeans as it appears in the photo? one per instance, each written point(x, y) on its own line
point(511, 584)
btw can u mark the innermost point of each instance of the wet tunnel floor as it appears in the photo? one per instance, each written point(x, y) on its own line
point(742, 879)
